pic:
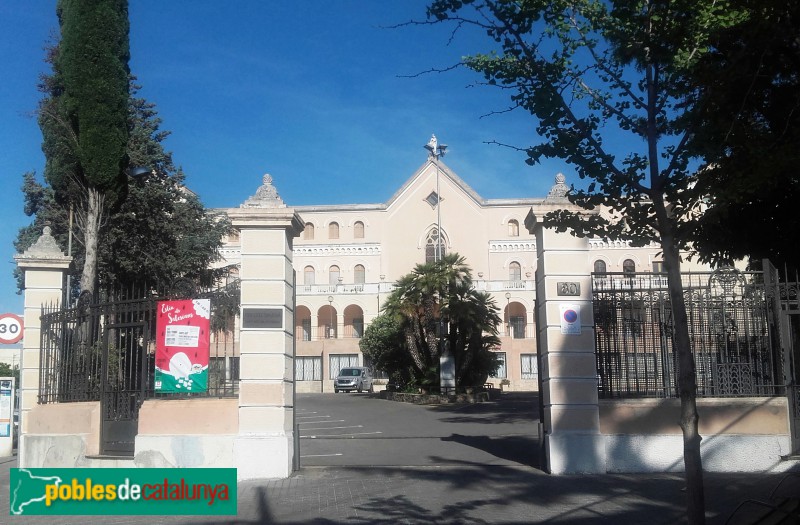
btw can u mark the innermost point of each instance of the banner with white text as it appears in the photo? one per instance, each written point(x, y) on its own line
point(182, 346)
point(122, 491)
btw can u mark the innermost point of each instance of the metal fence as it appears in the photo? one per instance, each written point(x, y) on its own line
point(728, 327)
point(106, 344)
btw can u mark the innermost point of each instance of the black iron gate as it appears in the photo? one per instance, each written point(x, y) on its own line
point(103, 349)
point(125, 381)
point(729, 327)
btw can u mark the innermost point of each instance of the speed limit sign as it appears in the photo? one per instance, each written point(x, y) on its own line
point(10, 328)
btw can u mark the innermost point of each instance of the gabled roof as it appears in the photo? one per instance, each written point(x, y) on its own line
point(459, 182)
point(443, 170)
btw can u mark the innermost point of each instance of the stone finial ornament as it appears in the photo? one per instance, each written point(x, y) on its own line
point(45, 247)
point(559, 189)
point(266, 196)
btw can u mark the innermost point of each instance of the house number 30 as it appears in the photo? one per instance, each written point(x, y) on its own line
point(568, 288)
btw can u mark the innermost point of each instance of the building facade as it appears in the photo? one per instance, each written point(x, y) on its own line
point(349, 256)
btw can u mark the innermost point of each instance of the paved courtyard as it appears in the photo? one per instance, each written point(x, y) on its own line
point(456, 464)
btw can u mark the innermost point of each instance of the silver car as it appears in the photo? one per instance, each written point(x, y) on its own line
point(352, 378)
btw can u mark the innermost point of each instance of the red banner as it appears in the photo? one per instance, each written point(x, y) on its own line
point(182, 346)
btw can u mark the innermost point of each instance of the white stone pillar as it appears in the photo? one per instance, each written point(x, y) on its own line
point(265, 446)
point(44, 265)
point(573, 442)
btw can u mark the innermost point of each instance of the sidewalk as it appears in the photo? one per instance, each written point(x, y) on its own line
point(466, 493)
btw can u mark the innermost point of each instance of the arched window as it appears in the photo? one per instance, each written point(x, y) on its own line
point(333, 275)
point(431, 245)
point(333, 230)
point(308, 233)
point(600, 266)
point(513, 228)
point(358, 230)
point(359, 274)
point(514, 271)
point(628, 266)
point(308, 275)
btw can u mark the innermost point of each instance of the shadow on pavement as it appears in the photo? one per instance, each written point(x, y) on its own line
point(469, 493)
point(519, 449)
point(509, 408)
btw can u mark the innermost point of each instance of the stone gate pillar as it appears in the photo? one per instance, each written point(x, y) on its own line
point(572, 439)
point(44, 265)
point(264, 447)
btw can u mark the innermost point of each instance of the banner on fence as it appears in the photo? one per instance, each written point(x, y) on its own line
point(182, 346)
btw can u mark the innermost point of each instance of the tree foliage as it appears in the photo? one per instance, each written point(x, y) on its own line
point(609, 85)
point(160, 233)
point(7, 371)
point(384, 344)
point(747, 129)
point(83, 117)
point(439, 310)
point(91, 69)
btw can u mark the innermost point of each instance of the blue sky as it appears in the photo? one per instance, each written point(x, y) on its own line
point(311, 92)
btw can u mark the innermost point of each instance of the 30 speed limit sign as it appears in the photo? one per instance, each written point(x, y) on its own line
point(10, 328)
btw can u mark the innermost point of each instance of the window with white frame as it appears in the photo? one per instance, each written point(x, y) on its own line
point(514, 272)
point(433, 242)
point(513, 228)
point(359, 274)
point(600, 266)
point(233, 373)
point(308, 275)
point(358, 230)
point(358, 327)
point(217, 368)
point(628, 266)
point(308, 233)
point(308, 369)
point(333, 230)
point(333, 275)
point(517, 325)
point(530, 367)
point(500, 373)
point(339, 361)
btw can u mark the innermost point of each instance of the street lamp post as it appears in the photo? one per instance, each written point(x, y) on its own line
point(435, 151)
point(508, 313)
point(330, 326)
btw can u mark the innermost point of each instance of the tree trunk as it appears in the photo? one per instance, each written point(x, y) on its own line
point(91, 236)
point(687, 385)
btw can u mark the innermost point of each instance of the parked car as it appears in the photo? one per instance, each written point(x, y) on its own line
point(357, 378)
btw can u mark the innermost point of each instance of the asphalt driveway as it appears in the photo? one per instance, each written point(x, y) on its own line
point(364, 430)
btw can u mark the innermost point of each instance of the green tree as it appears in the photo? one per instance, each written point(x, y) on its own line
point(7, 371)
point(747, 128)
point(161, 231)
point(384, 344)
point(592, 72)
point(441, 310)
point(84, 118)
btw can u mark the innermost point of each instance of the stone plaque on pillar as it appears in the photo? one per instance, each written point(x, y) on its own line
point(265, 447)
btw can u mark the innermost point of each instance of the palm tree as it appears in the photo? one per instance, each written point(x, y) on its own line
point(440, 309)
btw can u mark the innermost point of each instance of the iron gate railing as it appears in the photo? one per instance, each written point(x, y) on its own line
point(729, 333)
point(103, 349)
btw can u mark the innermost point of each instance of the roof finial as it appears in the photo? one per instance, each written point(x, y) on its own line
point(559, 189)
point(435, 150)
